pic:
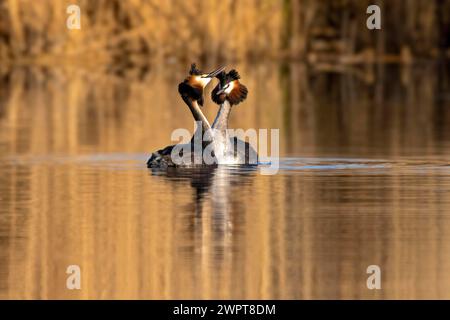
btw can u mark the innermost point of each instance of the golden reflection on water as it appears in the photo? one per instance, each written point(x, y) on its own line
point(74, 188)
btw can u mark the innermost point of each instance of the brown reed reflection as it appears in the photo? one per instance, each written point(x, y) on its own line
point(74, 188)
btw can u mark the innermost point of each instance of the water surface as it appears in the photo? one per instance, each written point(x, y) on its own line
point(364, 179)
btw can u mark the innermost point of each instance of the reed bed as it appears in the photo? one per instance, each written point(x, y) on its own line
point(120, 34)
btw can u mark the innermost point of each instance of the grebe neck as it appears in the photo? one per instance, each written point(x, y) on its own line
point(221, 121)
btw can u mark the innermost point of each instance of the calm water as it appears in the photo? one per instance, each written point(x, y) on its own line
point(364, 179)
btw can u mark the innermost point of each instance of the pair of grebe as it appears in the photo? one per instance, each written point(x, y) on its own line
point(228, 92)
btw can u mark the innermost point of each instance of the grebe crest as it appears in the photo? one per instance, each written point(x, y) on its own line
point(192, 87)
point(229, 88)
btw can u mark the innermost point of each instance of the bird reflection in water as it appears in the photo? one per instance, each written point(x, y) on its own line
point(215, 203)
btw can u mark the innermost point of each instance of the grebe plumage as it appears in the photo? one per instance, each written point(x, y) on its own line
point(228, 93)
point(191, 91)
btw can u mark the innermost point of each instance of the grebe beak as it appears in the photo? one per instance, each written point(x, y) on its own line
point(214, 73)
point(219, 92)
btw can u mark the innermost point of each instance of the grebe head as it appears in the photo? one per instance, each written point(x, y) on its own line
point(193, 86)
point(229, 88)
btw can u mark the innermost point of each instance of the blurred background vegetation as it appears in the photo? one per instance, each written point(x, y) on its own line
point(124, 34)
point(81, 110)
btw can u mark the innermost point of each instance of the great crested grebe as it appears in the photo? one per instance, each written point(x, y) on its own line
point(229, 92)
point(191, 91)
